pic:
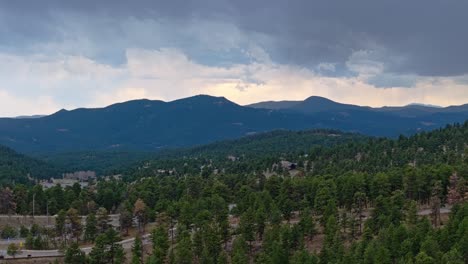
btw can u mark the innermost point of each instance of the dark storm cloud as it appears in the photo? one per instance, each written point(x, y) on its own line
point(427, 37)
point(422, 37)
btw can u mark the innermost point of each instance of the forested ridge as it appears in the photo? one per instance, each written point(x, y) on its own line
point(145, 125)
point(272, 144)
point(101, 162)
point(362, 200)
point(15, 167)
point(321, 152)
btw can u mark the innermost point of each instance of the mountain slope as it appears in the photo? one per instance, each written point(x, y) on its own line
point(326, 153)
point(101, 162)
point(313, 104)
point(316, 104)
point(271, 143)
point(276, 105)
point(17, 168)
point(152, 125)
point(143, 125)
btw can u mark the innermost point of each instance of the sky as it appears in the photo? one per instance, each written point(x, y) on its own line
point(58, 54)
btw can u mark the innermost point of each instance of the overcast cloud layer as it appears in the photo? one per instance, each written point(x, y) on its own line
point(67, 54)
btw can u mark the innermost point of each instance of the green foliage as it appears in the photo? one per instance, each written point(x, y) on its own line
point(160, 242)
point(365, 194)
point(137, 251)
point(17, 168)
point(12, 249)
point(74, 255)
point(90, 228)
point(24, 231)
point(106, 250)
point(9, 232)
point(240, 251)
point(184, 249)
point(102, 162)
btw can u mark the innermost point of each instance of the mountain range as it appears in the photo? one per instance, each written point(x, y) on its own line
point(316, 104)
point(147, 125)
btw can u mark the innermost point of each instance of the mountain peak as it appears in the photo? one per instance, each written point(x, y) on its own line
point(318, 99)
point(315, 104)
point(205, 99)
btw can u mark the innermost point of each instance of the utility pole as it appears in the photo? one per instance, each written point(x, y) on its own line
point(47, 209)
point(34, 204)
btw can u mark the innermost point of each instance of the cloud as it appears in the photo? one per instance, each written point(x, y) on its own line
point(420, 37)
point(12, 106)
point(88, 54)
point(169, 74)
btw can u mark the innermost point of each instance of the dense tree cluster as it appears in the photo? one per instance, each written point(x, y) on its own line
point(17, 168)
point(359, 201)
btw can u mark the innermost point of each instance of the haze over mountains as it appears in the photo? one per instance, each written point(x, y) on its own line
point(152, 125)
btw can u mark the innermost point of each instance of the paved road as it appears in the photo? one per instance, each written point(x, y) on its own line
point(126, 244)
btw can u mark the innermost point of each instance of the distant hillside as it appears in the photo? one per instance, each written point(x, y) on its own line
point(17, 168)
point(102, 162)
point(269, 143)
point(145, 125)
point(276, 105)
point(322, 152)
point(316, 104)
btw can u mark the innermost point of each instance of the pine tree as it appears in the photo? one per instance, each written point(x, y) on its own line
point(137, 251)
point(453, 257)
point(106, 249)
point(247, 226)
point(344, 222)
point(411, 216)
point(74, 255)
point(332, 250)
point(7, 201)
point(90, 228)
point(223, 258)
point(60, 223)
point(211, 243)
point(435, 204)
point(423, 258)
point(431, 247)
point(102, 219)
point(359, 204)
point(126, 220)
point(160, 240)
point(376, 253)
point(183, 252)
point(74, 221)
point(239, 251)
point(303, 257)
point(260, 218)
point(307, 224)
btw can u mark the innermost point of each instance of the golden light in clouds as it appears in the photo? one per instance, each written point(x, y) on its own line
point(170, 75)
